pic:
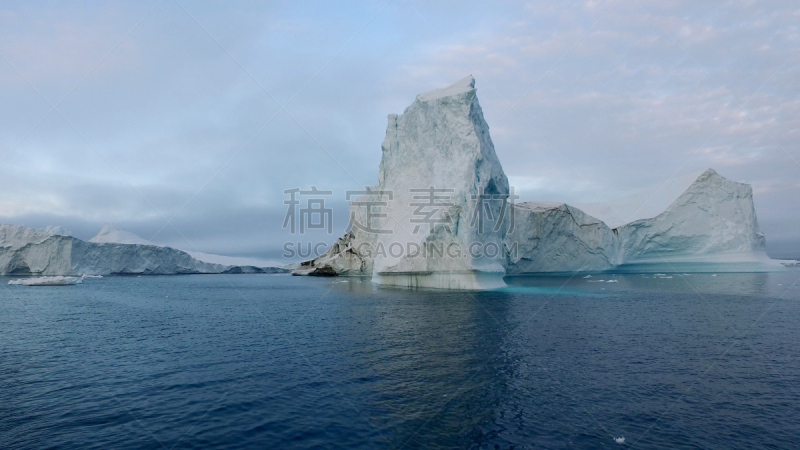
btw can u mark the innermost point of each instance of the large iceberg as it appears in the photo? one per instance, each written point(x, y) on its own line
point(440, 165)
point(711, 226)
point(439, 151)
point(423, 225)
point(27, 251)
point(556, 237)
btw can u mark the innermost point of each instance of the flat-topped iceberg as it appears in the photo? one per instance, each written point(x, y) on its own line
point(556, 237)
point(26, 251)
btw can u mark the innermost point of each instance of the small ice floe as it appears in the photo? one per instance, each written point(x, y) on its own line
point(595, 281)
point(588, 276)
point(611, 281)
point(665, 277)
point(659, 274)
point(91, 276)
point(47, 281)
point(619, 440)
point(713, 274)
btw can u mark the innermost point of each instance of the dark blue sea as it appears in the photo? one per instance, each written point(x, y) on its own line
point(274, 361)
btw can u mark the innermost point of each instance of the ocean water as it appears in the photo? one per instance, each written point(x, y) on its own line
point(274, 361)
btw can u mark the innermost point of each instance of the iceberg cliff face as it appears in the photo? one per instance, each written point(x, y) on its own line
point(439, 151)
point(26, 251)
point(556, 237)
point(442, 192)
point(437, 159)
point(713, 222)
point(712, 226)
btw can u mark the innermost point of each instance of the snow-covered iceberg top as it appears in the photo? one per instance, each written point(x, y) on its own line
point(461, 86)
point(111, 234)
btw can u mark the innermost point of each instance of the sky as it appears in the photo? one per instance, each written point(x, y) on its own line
point(185, 121)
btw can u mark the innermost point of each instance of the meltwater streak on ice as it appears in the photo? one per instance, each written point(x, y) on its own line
point(281, 362)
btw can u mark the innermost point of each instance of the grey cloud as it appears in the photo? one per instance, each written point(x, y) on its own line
point(656, 89)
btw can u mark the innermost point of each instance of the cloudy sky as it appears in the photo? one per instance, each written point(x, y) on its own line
point(184, 121)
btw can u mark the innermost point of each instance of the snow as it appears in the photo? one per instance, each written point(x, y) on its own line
point(111, 234)
point(47, 281)
point(459, 87)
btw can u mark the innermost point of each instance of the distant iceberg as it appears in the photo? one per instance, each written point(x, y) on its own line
point(26, 251)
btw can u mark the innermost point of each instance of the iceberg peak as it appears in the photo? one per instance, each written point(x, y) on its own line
point(57, 231)
point(112, 234)
point(461, 86)
point(709, 175)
